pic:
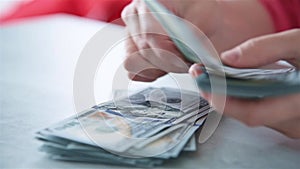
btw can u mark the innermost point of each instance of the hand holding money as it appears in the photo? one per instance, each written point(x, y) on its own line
point(146, 46)
point(247, 83)
point(279, 113)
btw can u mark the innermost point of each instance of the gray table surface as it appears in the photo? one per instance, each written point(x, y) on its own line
point(37, 61)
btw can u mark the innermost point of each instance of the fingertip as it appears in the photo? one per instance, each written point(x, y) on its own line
point(195, 70)
point(231, 56)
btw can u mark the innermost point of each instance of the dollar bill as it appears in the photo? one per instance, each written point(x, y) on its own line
point(63, 154)
point(135, 133)
point(247, 83)
point(191, 144)
point(249, 88)
point(122, 126)
point(186, 101)
point(168, 144)
point(119, 132)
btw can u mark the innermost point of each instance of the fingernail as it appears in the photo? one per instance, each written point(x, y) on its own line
point(195, 70)
point(231, 55)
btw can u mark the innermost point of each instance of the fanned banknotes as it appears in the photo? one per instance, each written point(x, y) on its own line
point(143, 129)
point(246, 83)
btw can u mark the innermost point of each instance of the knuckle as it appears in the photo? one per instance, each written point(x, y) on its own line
point(141, 42)
point(127, 12)
point(250, 44)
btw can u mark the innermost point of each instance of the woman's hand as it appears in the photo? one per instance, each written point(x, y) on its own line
point(280, 113)
point(151, 54)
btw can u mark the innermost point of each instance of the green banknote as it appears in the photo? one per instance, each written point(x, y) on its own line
point(246, 83)
point(142, 129)
point(248, 88)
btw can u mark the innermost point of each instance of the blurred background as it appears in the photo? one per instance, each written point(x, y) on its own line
point(43, 49)
point(7, 5)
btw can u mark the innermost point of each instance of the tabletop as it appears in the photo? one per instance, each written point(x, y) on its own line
point(37, 62)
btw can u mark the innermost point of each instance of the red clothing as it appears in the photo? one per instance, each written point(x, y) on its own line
point(285, 13)
point(104, 10)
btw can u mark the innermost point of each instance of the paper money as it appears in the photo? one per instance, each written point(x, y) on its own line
point(125, 131)
point(247, 83)
point(250, 88)
point(107, 158)
point(191, 145)
point(183, 100)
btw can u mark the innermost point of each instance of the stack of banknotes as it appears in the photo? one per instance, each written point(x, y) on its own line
point(245, 83)
point(140, 129)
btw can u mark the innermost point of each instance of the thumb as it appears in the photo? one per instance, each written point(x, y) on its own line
point(264, 50)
